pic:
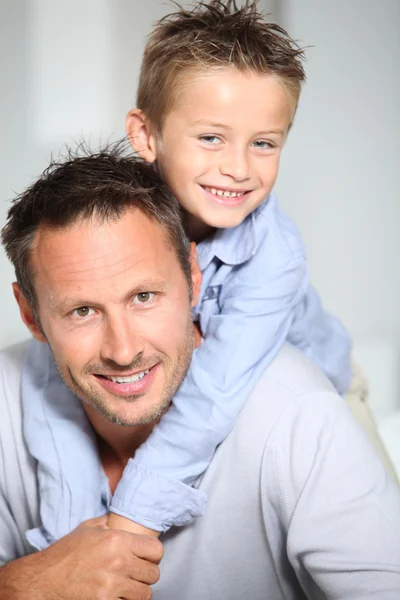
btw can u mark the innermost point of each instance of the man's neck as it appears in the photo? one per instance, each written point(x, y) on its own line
point(117, 443)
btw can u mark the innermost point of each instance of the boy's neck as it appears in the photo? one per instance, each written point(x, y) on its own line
point(196, 229)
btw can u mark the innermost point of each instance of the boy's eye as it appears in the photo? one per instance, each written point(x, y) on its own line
point(143, 297)
point(210, 139)
point(262, 144)
point(83, 311)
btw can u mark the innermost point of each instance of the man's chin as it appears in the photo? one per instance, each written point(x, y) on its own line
point(98, 402)
point(131, 416)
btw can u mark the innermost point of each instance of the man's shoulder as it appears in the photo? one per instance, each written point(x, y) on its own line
point(292, 385)
point(19, 506)
point(293, 371)
point(12, 360)
point(11, 363)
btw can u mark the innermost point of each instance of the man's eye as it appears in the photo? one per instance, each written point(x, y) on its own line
point(143, 297)
point(83, 311)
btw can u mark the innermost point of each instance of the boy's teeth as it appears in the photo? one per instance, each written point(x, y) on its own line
point(224, 193)
point(131, 379)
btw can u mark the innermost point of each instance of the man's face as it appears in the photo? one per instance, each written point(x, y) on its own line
point(114, 307)
point(220, 146)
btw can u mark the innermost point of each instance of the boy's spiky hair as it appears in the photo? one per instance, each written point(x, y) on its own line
point(212, 35)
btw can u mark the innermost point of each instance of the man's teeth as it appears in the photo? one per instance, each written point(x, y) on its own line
point(224, 193)
point(132, 379)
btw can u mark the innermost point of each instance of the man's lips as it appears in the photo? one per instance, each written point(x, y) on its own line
point(128, 385)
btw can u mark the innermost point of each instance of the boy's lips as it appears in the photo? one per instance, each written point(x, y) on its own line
point(128, 384)
point(225, 195)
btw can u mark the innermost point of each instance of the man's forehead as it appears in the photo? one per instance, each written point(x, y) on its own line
point(96, 250)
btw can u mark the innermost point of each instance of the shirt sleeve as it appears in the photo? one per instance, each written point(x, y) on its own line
point(340, 507)
point(17, 494)
point(256, 311)
point(10, 546)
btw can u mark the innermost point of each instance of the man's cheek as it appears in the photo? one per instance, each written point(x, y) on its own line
point(75, 347)
point(167, 328)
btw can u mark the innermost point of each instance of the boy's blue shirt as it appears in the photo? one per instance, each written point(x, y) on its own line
point(255, 295)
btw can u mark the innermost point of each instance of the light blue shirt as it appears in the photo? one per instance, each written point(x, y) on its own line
point(255, 295)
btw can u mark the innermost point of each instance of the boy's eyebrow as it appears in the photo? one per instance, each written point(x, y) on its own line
point(211, 124)
point(223, 126)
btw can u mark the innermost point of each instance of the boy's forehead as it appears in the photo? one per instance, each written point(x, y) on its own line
point(227, 94)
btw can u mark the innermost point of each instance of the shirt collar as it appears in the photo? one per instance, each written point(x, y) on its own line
point(232, 246)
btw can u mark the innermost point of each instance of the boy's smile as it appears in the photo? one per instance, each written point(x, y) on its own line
point(220, 145)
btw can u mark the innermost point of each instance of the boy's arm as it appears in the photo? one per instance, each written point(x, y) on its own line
point(115, 521)
point(340, 508)
point(256, 312)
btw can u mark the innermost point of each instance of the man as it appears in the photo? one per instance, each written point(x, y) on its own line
point(106, 281)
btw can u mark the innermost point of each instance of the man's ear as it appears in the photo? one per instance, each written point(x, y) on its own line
point(196, 274)
point(27, 314)
point(142, 140)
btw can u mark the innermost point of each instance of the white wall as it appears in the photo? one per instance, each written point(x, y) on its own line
point(340, 177)
point(69, 69)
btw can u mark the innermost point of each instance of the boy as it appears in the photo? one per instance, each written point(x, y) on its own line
point(217, 96)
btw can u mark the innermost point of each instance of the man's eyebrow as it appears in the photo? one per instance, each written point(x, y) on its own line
point(145, 285)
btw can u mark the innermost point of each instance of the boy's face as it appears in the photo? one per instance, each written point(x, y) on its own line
point(221, 143)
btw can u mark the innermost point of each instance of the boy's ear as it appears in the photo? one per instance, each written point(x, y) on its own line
point(196, 274)
point(139, 132)
point(27, 314)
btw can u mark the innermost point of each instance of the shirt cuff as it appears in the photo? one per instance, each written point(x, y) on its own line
point(154, 501)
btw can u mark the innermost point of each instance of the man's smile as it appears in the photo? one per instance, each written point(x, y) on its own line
point(128, 385)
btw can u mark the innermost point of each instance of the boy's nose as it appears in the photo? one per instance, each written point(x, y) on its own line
point(235, 164)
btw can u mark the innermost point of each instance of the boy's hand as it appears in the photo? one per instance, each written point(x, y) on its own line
point(117, 522)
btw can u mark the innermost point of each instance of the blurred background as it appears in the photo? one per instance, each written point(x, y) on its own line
point(69, 70)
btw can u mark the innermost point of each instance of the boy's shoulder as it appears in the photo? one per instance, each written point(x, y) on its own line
point(265, 235)
point(275, 231)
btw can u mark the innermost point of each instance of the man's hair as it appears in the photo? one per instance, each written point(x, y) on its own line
point(84, 185)
point(213, 35)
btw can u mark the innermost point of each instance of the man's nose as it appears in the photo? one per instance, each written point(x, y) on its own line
point(121, 343)
point(235, 164)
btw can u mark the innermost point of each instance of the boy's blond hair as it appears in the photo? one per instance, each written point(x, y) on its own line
point(213, 35)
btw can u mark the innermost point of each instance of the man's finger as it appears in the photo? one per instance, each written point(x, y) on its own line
point(135, 591)
point(144, 571)
point(147, 547)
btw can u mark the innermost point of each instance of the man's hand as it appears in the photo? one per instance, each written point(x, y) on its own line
point(91, 562)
